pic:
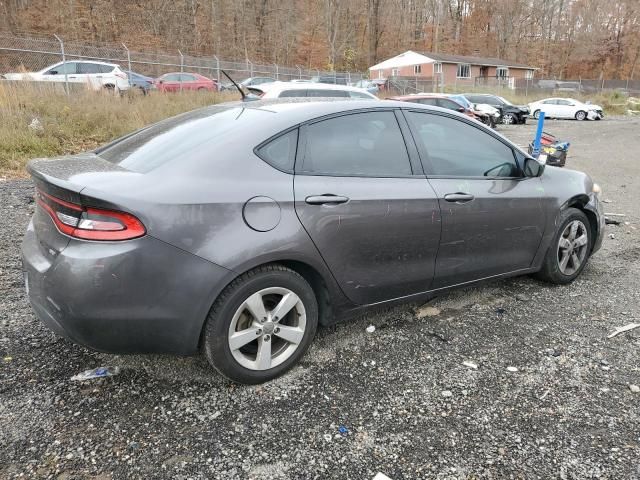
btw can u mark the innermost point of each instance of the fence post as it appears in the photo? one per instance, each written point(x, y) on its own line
point(217, 69)
point(129, 63)
point(249, 67)
point(277, 73)
point(181, 68)
point(602, 87)
point(299, 72)
point(64, 63)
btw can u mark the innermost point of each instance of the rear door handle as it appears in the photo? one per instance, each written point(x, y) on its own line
point(458, 197)
point(326, 199)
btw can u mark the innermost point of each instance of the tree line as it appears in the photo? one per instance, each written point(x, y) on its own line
point(563, 38)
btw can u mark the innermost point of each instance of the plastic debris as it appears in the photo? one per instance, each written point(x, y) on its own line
point(344, 431)
point(612, 236)
point(36, 126)
point(500, 311)
point(381, 476)
point(99, 372)
point(327, 437)
point(447, 393)
point(634, 388)
point(512, 369)
point(7, 359)
point(470, 365)
point(371, 329)
point(626, 328)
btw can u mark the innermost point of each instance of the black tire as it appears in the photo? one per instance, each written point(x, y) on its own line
point(581, 115)
point(536, 114)
point(550, 271)
point(216, 330)
point(509, 119)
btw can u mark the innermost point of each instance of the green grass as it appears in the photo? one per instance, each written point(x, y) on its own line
point(78, 122)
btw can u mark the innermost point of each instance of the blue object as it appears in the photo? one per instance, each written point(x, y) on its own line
point(344, 431)
point(536, 141)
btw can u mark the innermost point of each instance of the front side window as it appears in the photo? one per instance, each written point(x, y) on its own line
point(359, 95)
point(464, 70)
point(68, 68)
point(172, 77)
point(426, 101)
point(457, 149)
point(449, 104)
point(362, 144)
point(295, 93)
point(550, 102)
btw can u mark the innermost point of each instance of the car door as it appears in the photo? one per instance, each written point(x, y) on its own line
point(492, 216)
point(171, 82)
point(61, 72)
point(91, 74)
point(362, 196)
point(550, 107)
point(564, 108)
point(190, 82)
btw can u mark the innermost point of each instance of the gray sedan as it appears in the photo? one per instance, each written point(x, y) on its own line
point(237, 229)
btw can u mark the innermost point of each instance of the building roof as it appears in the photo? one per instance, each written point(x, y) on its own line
point(488, 61)
point(414, 58)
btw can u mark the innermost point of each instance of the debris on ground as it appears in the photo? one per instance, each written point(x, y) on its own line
point(626, 328)
point(447, 393)
point(512, 369)
point(612, 236)
point(427, 311)
point(614, 214)
point(500, 311)
point(371, 329)
point(470, 365)
point(99, 372)
point(634, 388)
point(609, 221)
point(344, 431)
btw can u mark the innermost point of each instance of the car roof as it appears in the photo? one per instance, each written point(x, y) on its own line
point(419, 95)
point(92, 61)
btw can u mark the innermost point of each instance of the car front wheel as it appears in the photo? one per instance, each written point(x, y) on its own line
point(569, 250)
point(536, 114)
point(261, 325)
point(580, 115)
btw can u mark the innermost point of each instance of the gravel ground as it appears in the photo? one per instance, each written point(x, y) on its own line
point(411, 408)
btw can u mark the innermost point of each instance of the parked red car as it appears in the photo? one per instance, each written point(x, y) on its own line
point(174, 82)
point(438, 101)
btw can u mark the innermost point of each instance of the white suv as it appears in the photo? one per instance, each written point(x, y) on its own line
point(97, 75)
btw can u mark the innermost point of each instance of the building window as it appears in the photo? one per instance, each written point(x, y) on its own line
point(437, 68)
point(417, 69)
point(502, 72)
point(528, 74)
point(380, 73)
point(464, 70)
point(394, 72)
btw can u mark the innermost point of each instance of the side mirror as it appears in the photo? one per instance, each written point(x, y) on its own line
point(53, 72)
point(532, 167)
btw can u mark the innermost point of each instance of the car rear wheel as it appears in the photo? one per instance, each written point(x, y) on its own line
point(536, 114)
point(569, 250)
point(509, 119)
point(580, 115)
point(261, 325)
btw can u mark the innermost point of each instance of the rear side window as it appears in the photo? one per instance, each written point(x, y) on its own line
point(427, 101)
point(458, 149)
point(88, 68)
point(359, 95)
point(327, 93)
point(66, 68)
point(449, 104)
point(362, 144)
point(293, 93)
point(281, 151)
point(187, 78)
point(106, 68)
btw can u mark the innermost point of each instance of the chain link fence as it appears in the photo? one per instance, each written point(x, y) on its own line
point(28, 53)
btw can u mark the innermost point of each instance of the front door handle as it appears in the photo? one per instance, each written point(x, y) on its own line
point(326, 199)
point(458, 197)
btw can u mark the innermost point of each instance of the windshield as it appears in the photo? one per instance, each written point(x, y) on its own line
point(462, 100)
point(505, 101)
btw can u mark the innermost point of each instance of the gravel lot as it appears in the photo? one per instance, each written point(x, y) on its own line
point(412, 409)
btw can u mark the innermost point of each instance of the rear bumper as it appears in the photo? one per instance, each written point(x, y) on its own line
point(138, 296)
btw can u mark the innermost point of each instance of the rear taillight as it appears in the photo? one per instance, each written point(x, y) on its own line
point(90, 223)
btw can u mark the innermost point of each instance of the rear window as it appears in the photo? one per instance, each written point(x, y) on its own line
point(173, 140)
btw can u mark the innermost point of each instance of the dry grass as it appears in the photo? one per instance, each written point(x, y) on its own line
point(78, 122)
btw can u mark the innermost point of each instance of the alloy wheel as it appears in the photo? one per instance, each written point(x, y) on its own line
point(572, 247)
point(581, 115)
point(508, 119)
point(267, 328)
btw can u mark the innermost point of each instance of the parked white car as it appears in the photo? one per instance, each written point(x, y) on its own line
point(566, 108)
point(294, 89)
point(97, 75)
